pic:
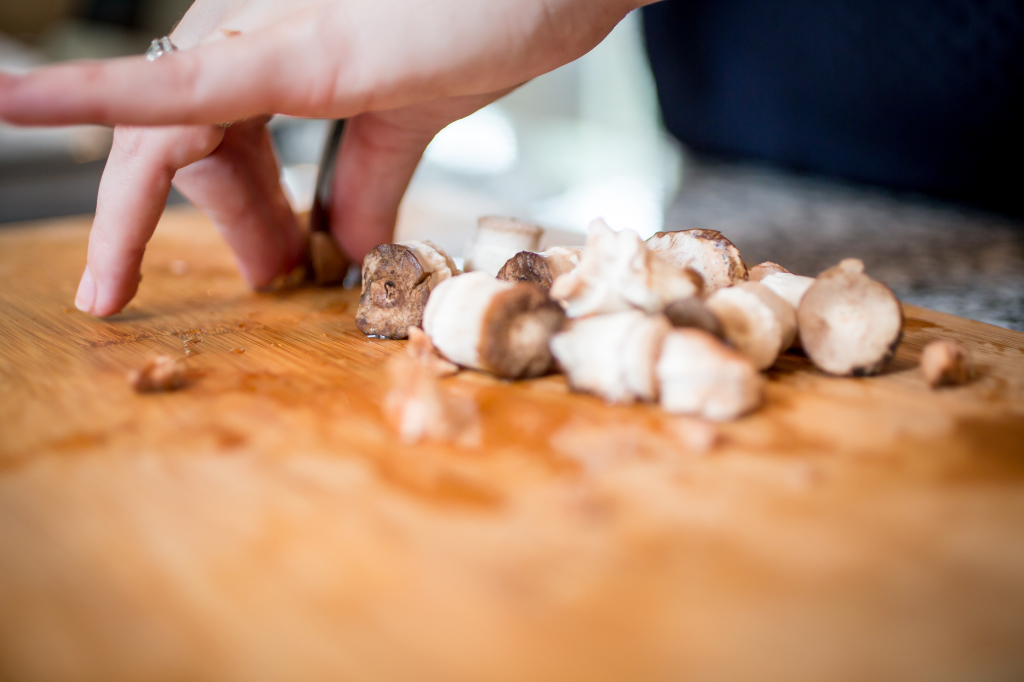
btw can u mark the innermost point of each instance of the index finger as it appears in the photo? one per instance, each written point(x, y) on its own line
point(228, 80)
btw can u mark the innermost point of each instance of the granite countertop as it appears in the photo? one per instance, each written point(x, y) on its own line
point(937, 255)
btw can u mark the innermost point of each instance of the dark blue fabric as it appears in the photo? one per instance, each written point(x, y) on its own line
point(916, 95)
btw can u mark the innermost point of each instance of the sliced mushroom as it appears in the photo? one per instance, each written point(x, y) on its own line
point(762, 270)
point(498, 239)
point(618, 272)
point(849, 323)
point(698, 374)
point(397, 280)
point(712, 256)
point(756, 321)
point(694, 313)
point(541, 268)
point(946, 363)
point(612, 356)
point(419, 407)
point(787, 286)
point(422, 350)
point(484, 323)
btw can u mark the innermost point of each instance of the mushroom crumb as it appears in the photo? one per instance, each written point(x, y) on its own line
point(397, 281)
point(946, 363)
point(618, 272)
point(419, 407)
point(541, 268)
point(711, 255)
point(161, 373)
point(849, 323)
point(497, 240)
point(480, 322)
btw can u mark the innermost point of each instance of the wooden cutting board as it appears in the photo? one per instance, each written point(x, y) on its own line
point(266, 523)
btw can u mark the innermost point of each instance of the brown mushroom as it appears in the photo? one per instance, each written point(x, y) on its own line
point(946, 363)
point(541, 268)
point(849, 323)
point(397, 280)
point(497, 239)
point(711, 255)
point(483, 323)
point(328, 263)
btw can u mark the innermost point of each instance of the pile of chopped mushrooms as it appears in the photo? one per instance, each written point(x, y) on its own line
point(679, 319)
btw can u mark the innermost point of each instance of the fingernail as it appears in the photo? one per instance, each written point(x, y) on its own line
point(86, 295)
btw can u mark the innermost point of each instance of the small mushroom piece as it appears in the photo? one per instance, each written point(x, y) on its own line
point(756, 321)
point(946, 363)
point(694, 313)
point(762, 270)
point(849, 323)
point(498, 239)
point(698, 374)
point(787, 286)
point(419, 407)
point(541, 268)
point(483, 323)
point(618, 272)
point(613, 355)
point(397, 280)
point(422, 351)
point(161, 373)
point(712, 256)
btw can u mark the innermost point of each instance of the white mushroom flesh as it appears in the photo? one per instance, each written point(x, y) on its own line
point(756, 321)
point(498, 239)
point(612, 356)
point(711, 255)
point(789, 287)
point(699, 375)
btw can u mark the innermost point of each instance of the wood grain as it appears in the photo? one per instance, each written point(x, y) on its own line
point(265, 522)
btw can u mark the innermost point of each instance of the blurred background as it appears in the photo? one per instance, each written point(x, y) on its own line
point(581, 142)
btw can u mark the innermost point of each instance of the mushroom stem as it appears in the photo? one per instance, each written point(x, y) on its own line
point(946, 363)
point(699, 375)
point(483, 323)
point(849, 323)
point(612, 356)
point(498, 239)
point(757, 322)
point(787, 286)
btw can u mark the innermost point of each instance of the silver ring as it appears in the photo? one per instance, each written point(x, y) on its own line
point(159, 47)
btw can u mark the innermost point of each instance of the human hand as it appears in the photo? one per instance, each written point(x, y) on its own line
point(399, 70)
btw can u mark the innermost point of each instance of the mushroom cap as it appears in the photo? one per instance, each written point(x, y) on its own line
point(708, 252)
point(434, 260)
point(698, 374)
point(527, 266)
point(762, 270)
point(394, 292)
point(849, 323)
point(756, 321)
